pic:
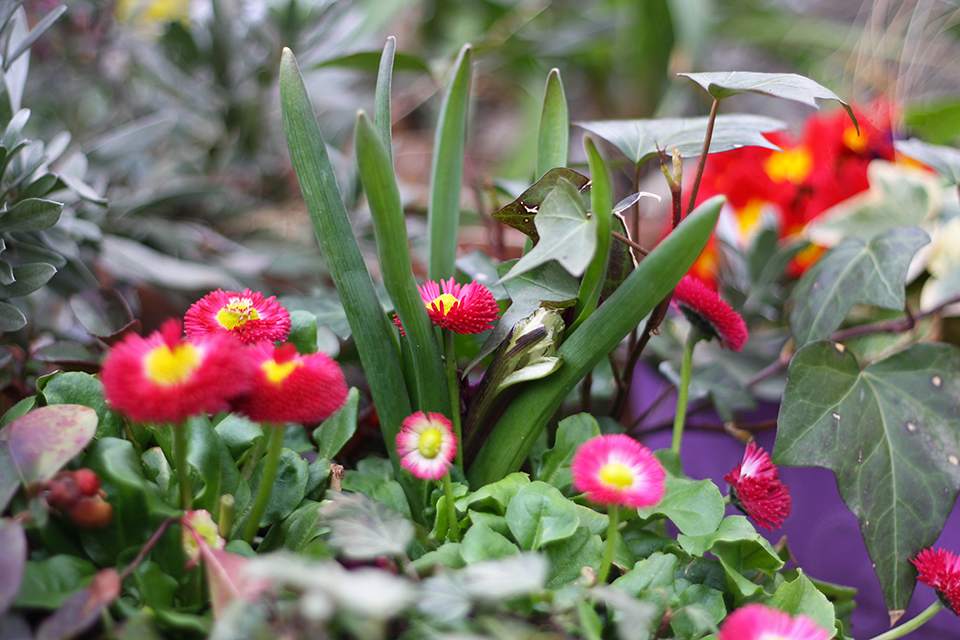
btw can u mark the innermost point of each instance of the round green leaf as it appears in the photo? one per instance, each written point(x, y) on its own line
point(538, 514)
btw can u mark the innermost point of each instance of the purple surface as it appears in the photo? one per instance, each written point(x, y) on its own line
point(822, 533)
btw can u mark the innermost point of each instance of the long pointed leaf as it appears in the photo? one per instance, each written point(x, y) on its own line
point(601, 196)
point(381, 103)
point(393, 248)
point(369, 323)
point(522, 421)
point(553, 139)
point(446, 176)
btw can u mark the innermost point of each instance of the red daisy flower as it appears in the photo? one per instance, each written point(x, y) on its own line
point(755, 488)
point(707, 311)
point(290, 387)
point(427, 445)
point(760, 622)
point(617, 470)
point(247, 315)
point(462, 309)
point(940, 569)
point(163, 378)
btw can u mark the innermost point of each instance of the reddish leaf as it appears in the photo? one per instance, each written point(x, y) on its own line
point(13, 558)
point(40, 442)
point(226, 577)
point(83, 609)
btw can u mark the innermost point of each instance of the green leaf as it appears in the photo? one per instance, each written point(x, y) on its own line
point(568, 233)
point(699, 610)
point(32, 214)
point(496, 495)
point(75, 387)
point(393, 249)
point(337, 430)
point(368, 60)
point(539, 514)
point(654, 572)
point(553, 137)
point(483, 543)
point(303, 331)
point(363, 529)
point(567, 557)
point(27, 279)
point(11, 318)
point(48, 583)
point(639, 140)
point(523, 420)
point(889, 433)
point(287, 492)
point(521, 213)
point(381, 112)
point(594, 277)
point(295, 532)
point(854, 271)
point(371, 328)
point(209, 455)
point(944, 160)
point(789, 86)
point(696, 507)
point(572, 432)
point(801, 597)
point(446, 173)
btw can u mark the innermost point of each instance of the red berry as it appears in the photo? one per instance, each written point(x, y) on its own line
point(87, 480)
point(91, 513)
point(63, 492)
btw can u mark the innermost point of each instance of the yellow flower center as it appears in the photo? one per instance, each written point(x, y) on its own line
point(236, 313)
point(168, 366)
point(277, 372)
point(616, 474)
point(446, 300)
point(793, 165)
point(430, 442)
point(854, 141)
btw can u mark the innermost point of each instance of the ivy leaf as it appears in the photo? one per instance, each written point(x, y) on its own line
point(891, 435)
point(363, 529)
point(790, 86)
point(854, 271)
point(944, 160)
point(640, 140)
point(521, 213)
point(539, 514)
point(568, 231)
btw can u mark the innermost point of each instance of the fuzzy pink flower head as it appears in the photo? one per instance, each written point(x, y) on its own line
point(290, 387)
point(760, 622)
point(462, 309)
point(617, 470)
point(940, 569)
point(247, 315)
point(427, 445)
point(756, 489)
point(164, 378)
point(708, 312)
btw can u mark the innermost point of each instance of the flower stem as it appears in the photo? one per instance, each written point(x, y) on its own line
point(683, 391)
point(453, 382)
point(453, 526)
point(611, 543)
point(183, 468)
point(911, 625)
point(271, 462)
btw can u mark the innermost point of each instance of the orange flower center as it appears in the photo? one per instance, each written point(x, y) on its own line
point(793, 165)
point(854, 141)
point(616, 474)
point(277, 372)
point(166, 366)
point(236, 313)
point(431, 440)
point(445, 301)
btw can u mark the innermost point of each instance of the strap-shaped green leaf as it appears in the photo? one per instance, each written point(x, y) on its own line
point(369, 323)
point(601, 196)
point(522, 421)
point(381, 102)
point(446, 175)
point(553, 138)
point(393, 248)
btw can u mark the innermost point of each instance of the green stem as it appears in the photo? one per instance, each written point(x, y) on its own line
point(453, 527)
point(611, 544)
point(683, 391)
point(271, 462)
point(453, 383)
point(183, 468)
point(911, 625)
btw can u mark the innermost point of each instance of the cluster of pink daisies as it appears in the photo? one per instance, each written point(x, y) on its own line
point(228, 361)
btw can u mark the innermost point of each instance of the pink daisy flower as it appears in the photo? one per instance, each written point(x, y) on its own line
point(707, 311)
point(290, 387)
point(462, 309)
point(617, 470)
point(755, 488)
point(940, 569)
point(427, 445)
point(164, 378)
point(760, 622)
point(247, 315)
